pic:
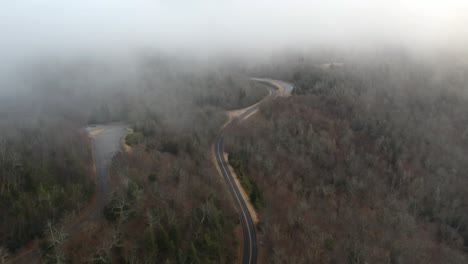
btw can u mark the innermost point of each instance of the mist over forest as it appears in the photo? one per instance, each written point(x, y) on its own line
point(362, 161)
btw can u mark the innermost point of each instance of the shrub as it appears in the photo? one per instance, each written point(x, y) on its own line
point(152, 177)
point(134, 138)
point(169, 147)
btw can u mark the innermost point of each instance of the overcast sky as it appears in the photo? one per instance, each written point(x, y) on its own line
point(35, 27)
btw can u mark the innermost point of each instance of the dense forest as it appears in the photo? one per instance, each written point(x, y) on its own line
point(364, 163)
point(193, 132)
point(167, 204)
point(46, 164)
point(45, 169)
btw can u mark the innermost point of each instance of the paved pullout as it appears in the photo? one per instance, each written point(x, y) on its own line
point(106, 141)
point(249, 255)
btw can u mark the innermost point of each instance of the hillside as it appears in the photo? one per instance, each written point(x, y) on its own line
point(365, 163)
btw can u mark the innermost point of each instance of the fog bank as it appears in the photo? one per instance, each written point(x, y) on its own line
point(32, 29)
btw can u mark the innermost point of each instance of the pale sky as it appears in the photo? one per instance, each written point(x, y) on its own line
point(33, 27)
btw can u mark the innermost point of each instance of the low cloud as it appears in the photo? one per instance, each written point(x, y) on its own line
point(34, 28)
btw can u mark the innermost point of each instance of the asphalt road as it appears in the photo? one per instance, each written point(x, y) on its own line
point(249, 234)
point(105, 145)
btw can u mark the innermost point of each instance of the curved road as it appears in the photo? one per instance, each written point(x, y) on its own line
point(106, 142)
point(249, 255)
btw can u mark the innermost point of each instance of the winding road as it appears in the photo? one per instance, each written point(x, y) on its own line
point(106, 142)
point(249, 255)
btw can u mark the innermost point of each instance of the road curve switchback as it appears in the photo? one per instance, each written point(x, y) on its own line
point(249, 252)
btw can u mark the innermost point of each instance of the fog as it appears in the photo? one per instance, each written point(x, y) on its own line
point(33, 29)
point(210, 24)
point(364, 161)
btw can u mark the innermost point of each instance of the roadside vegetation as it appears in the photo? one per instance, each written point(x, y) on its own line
point(133, 138)
point(239, 162)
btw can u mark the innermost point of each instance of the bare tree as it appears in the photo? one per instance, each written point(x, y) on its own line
point(4, 256)
point(56, 237)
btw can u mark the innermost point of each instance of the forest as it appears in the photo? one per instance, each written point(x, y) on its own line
point(226, 132)
point(168, 203)
point(46, 167)
point(364, 163)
